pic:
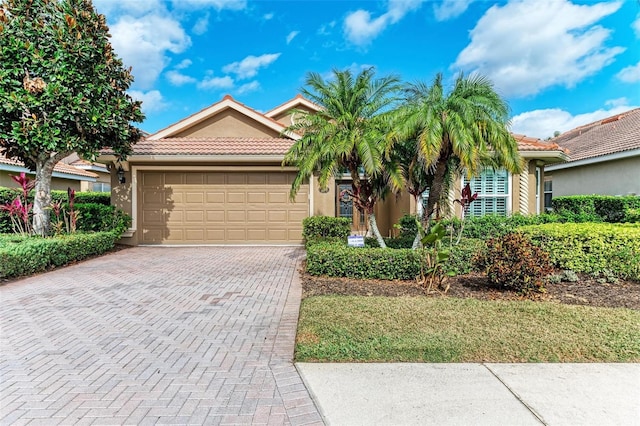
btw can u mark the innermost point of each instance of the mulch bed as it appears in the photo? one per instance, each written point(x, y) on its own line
point(587, 291)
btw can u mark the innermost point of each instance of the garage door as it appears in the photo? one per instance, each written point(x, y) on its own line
point(220, 208)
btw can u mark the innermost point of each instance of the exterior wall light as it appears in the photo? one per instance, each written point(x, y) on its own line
point(120, 174)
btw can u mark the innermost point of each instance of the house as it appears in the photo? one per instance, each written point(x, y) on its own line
point(64, 175)
point(216, 177)
point(604, 159)
point(102, 182)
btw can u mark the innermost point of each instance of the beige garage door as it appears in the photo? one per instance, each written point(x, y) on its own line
point(220, 208)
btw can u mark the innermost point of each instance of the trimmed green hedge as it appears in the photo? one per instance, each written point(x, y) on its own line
point(98, 218)
point(315, 227)
point(606, 208)
point(335, 259)
point(27, 255)
point(591, 247)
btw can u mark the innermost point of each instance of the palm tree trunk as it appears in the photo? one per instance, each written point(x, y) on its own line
point(435, 192)
point(373, 226)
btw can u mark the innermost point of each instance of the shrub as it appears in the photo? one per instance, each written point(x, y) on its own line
point(407, 226)
point(20, 255)
point(315, 227)
point(98, 217)
point(337, 260)
point(394, 243)
point(461, 255)
point(599, 208)
point(591, 247)
point(103, 198)
point(514, 262)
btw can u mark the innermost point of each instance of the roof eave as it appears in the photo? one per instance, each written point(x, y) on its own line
point(594, 160)
point(548, 157)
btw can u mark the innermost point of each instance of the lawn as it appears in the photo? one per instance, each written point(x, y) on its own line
point(447, 329)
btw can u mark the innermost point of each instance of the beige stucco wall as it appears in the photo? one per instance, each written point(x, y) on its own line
point(324, 204)
point(389, 212)
point(617, 177)
point(228, 123)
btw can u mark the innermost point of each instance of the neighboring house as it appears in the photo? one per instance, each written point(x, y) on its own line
point(103, 176)
point(64, 175)
point(604, 158)
point(216, 177)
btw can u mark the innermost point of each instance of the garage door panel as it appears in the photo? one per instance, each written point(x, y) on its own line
point(194, 197)
point(236, 216)
point(236, 197)
point(259, 216)
point(221, 207)
point(215, 216)
point(256, 197)
point(173, 179)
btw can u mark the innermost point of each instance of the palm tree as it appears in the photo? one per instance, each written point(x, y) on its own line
point(348, 134)
point(466, 128)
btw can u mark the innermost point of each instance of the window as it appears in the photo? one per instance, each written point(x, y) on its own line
point(346, 208)
point(99, 187)
point(548, 194)
point(492, 187)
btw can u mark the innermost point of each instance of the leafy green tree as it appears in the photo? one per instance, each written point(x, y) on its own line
point(465, 129)
point(62, 90)
point(349, 134)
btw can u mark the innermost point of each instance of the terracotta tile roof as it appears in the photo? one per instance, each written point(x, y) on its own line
point(60, 167)
point(608, 136)
point(213, 146)
point(526, 143)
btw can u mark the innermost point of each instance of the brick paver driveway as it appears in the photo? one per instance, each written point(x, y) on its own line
point(193, 335)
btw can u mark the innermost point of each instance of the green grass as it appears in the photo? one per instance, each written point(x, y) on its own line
point(404, 329)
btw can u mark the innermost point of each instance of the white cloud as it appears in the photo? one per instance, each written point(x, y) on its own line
point(225, 82)
point(202, 25)
point(360, 29)
point(528, 45)
point(184, 64)
point(450, 9)
point(292, 35)
point(326, 29)
point(178, 79)
point(248, 87)
point(617, 102)
point(630, 74)
point(636, 26)
point(140, 45)
point(152, 101)
point(249, 66)
point(542, 123)
point(268, 16)
point(218, 4)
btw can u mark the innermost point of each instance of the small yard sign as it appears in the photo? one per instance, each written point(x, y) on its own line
point(355, 241)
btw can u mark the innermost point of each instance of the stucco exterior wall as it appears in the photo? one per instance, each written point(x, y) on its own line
point(617, 177)
point(229, 123)
point(324, 204)
point(285, 116)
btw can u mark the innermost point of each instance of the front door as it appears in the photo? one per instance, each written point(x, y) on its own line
point(346, 208)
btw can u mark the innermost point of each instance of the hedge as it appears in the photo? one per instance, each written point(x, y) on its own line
point(21, 255)
point(606, 208)
point(591, 247)
point(335, 259)
point(315, 227)
point(7, 195)
point(98, 217)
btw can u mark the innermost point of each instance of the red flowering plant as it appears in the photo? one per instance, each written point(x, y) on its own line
point(19, 209)
point(465, 200)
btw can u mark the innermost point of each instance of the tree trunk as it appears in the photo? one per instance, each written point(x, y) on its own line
point(373, 226)
point(42, 199)
point(419, 213)
point(435, 192)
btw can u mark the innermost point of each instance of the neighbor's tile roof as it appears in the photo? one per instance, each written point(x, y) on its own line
point(213, 146)
point(608, 136)
point(526, 143)
point(60, 167)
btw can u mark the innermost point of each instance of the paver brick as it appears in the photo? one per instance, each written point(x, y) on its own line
point(193, 335)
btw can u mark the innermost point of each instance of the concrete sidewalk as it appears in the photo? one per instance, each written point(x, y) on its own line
point(478, 394)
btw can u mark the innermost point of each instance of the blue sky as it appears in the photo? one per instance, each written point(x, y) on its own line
point(559, 63)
